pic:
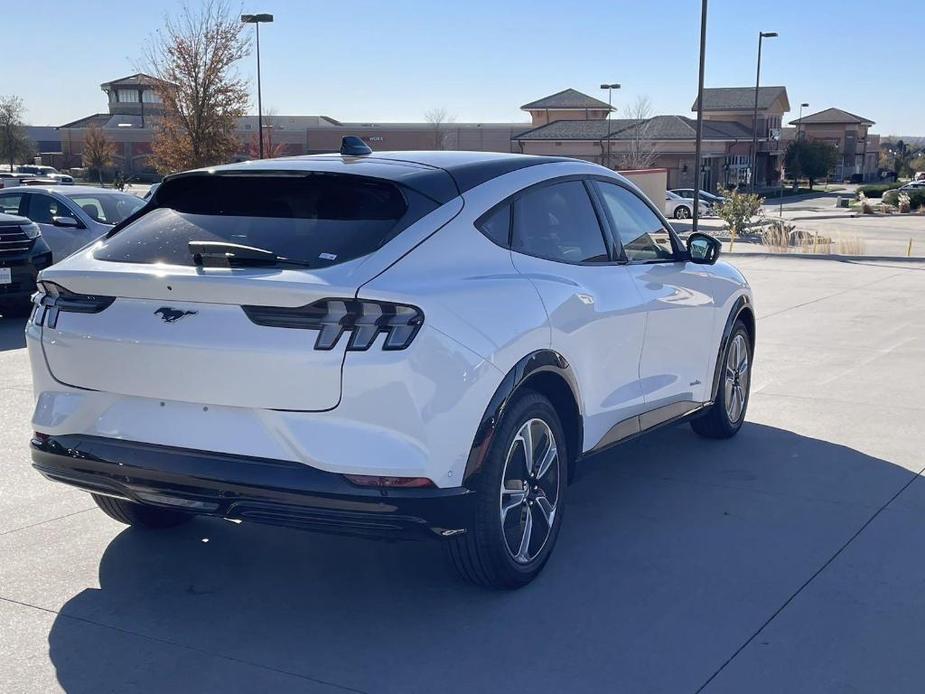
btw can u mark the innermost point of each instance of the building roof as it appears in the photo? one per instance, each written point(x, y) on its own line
point(741, 98)
point(137, 80)
point(98, 119)
point(655, 128)
point(832, 115)
point(566, 99)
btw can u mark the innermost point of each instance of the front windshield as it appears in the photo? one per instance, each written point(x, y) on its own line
point(107, 208)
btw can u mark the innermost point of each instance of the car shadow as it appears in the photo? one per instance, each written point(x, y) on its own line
point(12, 333)
point(675, 549)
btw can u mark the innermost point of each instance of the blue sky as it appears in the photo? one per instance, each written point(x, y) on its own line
point(360, 60)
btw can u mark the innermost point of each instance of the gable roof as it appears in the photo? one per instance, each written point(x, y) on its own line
point(138, 79)
point(567, 98)
point(655, 128)
point(832, 115)
point(740, 98)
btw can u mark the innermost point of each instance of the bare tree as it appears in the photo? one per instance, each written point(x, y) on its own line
point(193, 58)
point(271, 149)
point(97, 152)
point(642, 150)
point(15, 145)
point(439, 118)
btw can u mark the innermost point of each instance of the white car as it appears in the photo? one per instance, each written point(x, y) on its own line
point(682, 208)
point(912, 186)
point(397, 344)
point(70, 217)
point(49, 172)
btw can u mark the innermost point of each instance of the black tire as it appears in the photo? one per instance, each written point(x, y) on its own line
point(482, 555)
point(682, 212)
point(139, 515)
point(717, 423)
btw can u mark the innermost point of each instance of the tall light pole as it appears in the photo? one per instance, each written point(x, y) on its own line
point(697, 174)
point(800, 120)
point(761, 35)
point(609, 88)
point(257, 20)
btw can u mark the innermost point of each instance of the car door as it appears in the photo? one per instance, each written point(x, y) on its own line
point(596, 322)
point(678, 297)
point(42, 209)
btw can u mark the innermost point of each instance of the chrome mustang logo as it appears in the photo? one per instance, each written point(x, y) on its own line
point(172, 315)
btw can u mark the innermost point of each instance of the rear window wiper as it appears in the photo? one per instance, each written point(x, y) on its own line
point(224, 253)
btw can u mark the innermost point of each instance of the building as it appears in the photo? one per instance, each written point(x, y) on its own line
point(567, 123)
point(858, 148)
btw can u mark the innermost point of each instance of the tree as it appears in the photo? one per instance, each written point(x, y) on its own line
point(642, 149)
point(271, 150)
point(810, 159)
point(193, 58)
point(439, 118)
point(737, 210)
point(15, 145)
point(97, 152)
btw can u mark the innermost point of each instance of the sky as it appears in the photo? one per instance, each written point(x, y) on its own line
point(366, 60)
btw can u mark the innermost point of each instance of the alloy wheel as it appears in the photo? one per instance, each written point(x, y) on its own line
point(529, 490)
point(736, 378)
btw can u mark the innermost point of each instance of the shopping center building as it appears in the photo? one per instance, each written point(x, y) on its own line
point(567, 123)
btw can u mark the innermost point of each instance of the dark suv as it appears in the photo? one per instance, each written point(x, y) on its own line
point(23, 253)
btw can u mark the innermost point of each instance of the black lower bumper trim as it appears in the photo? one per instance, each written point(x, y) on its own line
point(251, 489)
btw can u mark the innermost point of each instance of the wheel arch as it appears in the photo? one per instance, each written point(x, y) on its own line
point(742, 308)
point(546, 372)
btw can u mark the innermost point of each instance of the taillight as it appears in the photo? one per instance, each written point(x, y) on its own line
point(52, 298)
point(364, 320)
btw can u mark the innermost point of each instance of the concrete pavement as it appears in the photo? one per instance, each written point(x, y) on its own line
point(787, 559)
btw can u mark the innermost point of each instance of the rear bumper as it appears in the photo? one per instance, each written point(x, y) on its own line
point(251, 489)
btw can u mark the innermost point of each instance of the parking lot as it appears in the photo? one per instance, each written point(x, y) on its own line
point(789, 559)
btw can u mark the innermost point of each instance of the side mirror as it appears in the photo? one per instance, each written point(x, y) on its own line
point(703, 249)
point(66, 222)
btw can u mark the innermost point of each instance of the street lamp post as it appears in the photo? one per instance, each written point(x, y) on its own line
point(697, 153)
point(761, 35)
point(800, 121)
point(609, 88)
point(257, 20)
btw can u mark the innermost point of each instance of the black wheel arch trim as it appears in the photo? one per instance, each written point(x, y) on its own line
point(539, 361)
point(741, 305)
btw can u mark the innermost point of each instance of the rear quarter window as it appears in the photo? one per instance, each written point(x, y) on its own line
point(320, 219)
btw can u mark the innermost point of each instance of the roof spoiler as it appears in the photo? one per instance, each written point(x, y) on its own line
point(353, 146)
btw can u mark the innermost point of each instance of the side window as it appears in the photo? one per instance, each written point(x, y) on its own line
point(641, 232)
point(43, 208)
point(10, 203)
point(557, 222)
point(496, 225)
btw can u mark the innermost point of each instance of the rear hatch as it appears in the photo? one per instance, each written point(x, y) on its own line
point(141, 314)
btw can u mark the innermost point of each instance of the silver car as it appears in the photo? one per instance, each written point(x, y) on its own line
point(70, 216)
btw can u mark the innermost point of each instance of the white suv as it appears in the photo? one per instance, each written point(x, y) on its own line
point(396, 344)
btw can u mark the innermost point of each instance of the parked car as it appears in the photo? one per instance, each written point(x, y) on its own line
point(23, 253)
point(705, 197)
point(682, 208)
point(46, 172)
point(407, 344)
point(70, 217)
point(11, 180)
point(911, 186)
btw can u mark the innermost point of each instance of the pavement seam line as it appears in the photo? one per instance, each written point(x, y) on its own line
point(809, 580)
point(829, 296)
point(184, 646)
point(47, 520)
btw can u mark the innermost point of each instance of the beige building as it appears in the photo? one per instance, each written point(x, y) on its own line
point(567, 123)
point(858, 148)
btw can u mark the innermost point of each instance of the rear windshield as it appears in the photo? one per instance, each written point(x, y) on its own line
point(318, 219)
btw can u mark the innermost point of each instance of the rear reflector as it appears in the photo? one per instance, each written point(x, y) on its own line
point(391, 482)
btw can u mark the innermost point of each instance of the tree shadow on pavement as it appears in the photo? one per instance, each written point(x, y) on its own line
point(12, 333)
point(674, 551)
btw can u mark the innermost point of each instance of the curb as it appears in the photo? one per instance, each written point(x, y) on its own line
point(823, 256)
